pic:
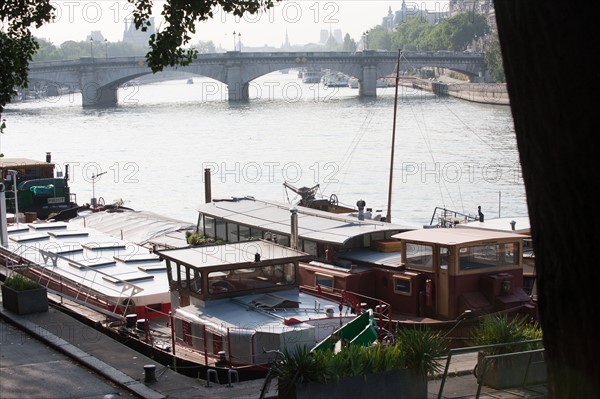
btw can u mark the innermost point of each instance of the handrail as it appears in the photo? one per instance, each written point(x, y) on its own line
point(487, 360)
point(471, 349)
point(445, 213)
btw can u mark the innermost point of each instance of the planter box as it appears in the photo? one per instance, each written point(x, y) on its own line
point(396, 384)
point(509, 371)
point(25, 302)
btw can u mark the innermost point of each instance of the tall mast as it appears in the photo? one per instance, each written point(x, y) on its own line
point(389, 206)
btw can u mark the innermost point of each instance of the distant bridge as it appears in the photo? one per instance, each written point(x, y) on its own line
point(98, 79)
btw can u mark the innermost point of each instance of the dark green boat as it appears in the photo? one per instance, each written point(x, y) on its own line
point(42, 193)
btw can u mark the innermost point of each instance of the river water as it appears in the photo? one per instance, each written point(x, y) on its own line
point(155, 145)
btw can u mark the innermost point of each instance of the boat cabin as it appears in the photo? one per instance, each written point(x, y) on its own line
point(455, 270)
point(204, 273)
point(321, 234)
point(235, 300)
point(518, 225)
point(432, 274)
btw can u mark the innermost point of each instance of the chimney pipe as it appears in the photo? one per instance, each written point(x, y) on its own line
point(294, 227)
point(48, 157)
point(207, 186)
point(512, 224)
point(361, 209)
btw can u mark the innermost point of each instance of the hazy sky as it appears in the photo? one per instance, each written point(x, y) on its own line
point(302, 20)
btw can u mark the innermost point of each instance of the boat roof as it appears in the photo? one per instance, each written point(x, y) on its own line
point(454, 236)
point(254, 312)
point(23, 162)
point(522, 225)
point(313, 224)
point(92, 260)
point(242, 253)
point(391, 259)
point(140, 227)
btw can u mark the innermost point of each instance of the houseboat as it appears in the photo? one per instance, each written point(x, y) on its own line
point(374, 261)
point(36, 189)
point(237, 303)
point(217, 307)
point(111, 276)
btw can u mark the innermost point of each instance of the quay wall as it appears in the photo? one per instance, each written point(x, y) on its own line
point(486, 93)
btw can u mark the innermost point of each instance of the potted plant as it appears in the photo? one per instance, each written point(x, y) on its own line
point(517, 343)
point(22, 295)
point(398, 370)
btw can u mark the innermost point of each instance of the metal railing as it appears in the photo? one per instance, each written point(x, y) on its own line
point(488, 359)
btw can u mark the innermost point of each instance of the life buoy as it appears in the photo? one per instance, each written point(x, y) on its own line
point(428, 292)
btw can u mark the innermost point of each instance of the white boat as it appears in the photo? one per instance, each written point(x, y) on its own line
point(311, 76)
point(335, 80)
point(221, 305)
point(237, 302)
point(353, 83)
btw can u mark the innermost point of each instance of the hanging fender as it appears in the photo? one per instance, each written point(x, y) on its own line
point(428, 292)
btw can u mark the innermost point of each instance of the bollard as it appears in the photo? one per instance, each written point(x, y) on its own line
point(231, 373)
point(150, 373)
point(208, 374)
point(131, 320)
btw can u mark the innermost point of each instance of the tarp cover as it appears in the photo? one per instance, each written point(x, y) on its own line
point(42, 190)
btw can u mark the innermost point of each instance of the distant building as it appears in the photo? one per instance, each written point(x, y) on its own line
point(388, 21)
point(137, 37)
point(323, 36)
point(337, 35)
point(432, 16)
point(95, 36)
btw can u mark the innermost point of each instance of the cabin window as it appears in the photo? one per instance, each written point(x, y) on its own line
point(324, 281)
point(196, 281)
point(182, 276)
point(444, 253)
point(309, 247)
point(209, 226)
point(402, 285)
point(236, 280)
point(419, 256)
point(256, 233)
point(244, 232)
point(281, 239)
point(232, 232)
point(200, 228)
point(488, 256)
point(221, 230)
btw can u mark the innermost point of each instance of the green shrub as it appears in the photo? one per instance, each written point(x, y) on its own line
point(414, 348)
point(502, 329)
point(199, 239)
point(20, 283)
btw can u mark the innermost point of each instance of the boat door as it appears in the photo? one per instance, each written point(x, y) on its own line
point(442, 294)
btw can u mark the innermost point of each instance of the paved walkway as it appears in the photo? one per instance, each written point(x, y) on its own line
point(66, 358)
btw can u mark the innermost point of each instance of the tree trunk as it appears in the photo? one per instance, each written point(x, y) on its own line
point(553, 87)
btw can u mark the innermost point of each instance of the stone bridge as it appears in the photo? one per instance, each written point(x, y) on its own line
point(98, 79)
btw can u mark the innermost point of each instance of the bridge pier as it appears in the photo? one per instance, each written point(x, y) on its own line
point(368, 84)
point(92, 94)
point(237, 89)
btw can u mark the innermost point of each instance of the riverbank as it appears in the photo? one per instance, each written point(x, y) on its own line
point(485, 93)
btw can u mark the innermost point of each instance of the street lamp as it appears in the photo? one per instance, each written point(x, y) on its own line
point(233, 40)
point(239, 41)
point(106, 48)
point(92, 46)
point(366, 36)
point(94, 177)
